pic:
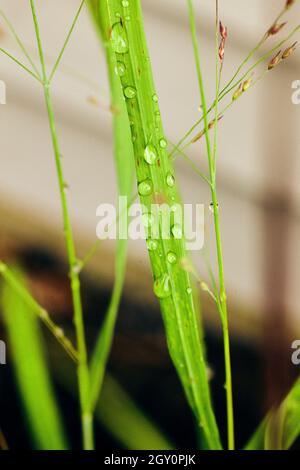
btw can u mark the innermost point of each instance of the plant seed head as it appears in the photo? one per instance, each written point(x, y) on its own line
point(238, 92)
point(223, 31)
point(289, 3)
point(289, 51)
point(275, 61)
point(247, 84)
point(222, 50)
point(275, 28)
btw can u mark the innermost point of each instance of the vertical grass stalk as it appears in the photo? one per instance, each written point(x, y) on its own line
point(124, 31)
point(83, 372)
point(222, 290)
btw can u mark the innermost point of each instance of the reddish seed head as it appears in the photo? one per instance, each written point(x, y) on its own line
point(222, 50)
point(289, 51)
point(289, 3)
point(223, 31)
point(275, 61)
point(275, 28)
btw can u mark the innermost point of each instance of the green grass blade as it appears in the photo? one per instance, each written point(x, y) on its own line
point(124, 163)
point(125, 35)
point(32, 375)
point(289, 412)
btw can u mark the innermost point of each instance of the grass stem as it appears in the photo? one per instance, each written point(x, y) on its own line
point(215, 204)
point(83, 372)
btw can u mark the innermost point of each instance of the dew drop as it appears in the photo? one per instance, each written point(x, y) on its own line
point(125, 3)
point(163, 143)
point(145, 188)
point(189, 290)
point(150, 154)
point(171, 257)
point(152, 244)
point(118, 39)
point(129, 92)
point(161, 287)
point(155, 98)
point(170, 180)
point(177, 231)
point(120, 69)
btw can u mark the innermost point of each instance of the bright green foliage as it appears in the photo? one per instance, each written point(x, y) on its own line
point(124, 35)
point(32, 375)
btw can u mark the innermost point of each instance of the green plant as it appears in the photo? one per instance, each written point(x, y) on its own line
point(140, 142)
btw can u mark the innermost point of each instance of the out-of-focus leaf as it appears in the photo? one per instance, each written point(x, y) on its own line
point(31, 371)
point(126, 422)
point(289, 413)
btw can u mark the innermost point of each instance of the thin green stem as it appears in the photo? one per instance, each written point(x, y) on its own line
point(222, 294)
point(21, 64)
point(66, 41)
point(191, 163)
point(19, 42)
point(83, 371)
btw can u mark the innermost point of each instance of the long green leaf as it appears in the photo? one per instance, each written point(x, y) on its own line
point(124, 163)
point(124, 35)
point(289, 413)
point(31, 371)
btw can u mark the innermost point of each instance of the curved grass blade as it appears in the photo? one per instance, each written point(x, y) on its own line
point(124, 33)
point(289, 413)
point(31, 371)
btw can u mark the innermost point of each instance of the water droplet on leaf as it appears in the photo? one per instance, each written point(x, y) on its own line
point(161, 287)
point(152, 245)
point(150, 154)
point(170, 180)
point(171, 257)
point(118, 39)
point(129, 92)
point(163, 143)
point(120, 69)
point(145, 188)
